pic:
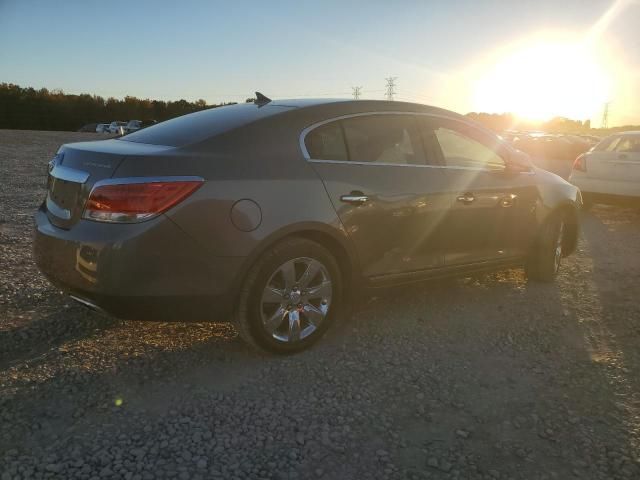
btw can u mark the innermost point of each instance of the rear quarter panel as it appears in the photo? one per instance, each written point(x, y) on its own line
point(261, 162)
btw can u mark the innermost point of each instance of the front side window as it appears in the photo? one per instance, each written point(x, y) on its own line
point(326, 143)
point(388, 139)
point(460, 149)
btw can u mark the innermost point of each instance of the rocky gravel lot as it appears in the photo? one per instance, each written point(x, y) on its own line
point(479, 378)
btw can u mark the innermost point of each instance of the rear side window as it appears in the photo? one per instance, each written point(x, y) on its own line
point(389, 139)
point(326, 143)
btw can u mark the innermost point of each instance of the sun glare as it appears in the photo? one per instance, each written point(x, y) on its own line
point(540, 79)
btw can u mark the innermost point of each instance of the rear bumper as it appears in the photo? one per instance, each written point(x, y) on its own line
point(146, 271)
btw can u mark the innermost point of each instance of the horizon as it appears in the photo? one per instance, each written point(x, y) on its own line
point(518, 123)
point(533, 61)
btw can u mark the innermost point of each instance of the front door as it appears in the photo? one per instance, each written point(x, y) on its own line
point(374, 169)
point(492, 209)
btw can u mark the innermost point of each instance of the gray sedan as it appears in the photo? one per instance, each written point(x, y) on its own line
point(275, 214)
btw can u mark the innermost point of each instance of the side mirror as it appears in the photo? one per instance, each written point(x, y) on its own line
point(516, 167)
point(516, 161)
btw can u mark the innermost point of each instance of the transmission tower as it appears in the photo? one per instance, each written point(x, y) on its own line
point(605, 116)
point(356, 92)
point(391, 87)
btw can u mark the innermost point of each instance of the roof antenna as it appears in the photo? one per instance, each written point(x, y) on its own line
point(261, 99)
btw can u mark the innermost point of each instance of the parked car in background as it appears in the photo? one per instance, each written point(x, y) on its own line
point(272, 214)
point(117, 127)
point(552, 152)
point(135, 125)
point(592, 139)
point(102, 128)
point(610, 172)
point(89, 127)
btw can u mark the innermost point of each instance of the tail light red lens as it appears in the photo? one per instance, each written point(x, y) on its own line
point(136, 202)
point(580, 163)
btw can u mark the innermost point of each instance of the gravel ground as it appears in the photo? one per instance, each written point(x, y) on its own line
point(479, 378)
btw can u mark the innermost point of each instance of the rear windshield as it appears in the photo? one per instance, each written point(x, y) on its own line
point(198, 126)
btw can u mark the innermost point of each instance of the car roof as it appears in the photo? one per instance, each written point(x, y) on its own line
point(204, 124)
point(347, 105)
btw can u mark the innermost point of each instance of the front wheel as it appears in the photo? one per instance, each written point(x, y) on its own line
point(544, 261)
point(290, 297)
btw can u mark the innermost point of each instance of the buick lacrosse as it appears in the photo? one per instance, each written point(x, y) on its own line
point(272, 214)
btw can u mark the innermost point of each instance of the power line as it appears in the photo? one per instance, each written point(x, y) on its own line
point(356, 92)
point(391, 86)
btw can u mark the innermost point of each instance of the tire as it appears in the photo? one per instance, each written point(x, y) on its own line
point(545, 259)
point(282, 307)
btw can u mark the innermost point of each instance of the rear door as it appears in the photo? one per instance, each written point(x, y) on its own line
point(375, 171)
point(491, 215)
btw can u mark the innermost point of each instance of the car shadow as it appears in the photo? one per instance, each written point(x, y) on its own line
point(47, 328)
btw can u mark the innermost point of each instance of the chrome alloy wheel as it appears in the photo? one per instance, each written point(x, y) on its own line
point(296, 299)
point(558, 251)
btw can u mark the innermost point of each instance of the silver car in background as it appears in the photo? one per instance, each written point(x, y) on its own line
point(610, 171)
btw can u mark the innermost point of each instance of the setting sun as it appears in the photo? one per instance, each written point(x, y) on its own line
point(540, 79)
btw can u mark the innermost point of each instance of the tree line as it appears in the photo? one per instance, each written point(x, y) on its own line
point(26, 108)
point(500, 122)
point(43, 109)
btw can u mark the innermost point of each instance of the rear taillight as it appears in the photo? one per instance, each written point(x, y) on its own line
point(580, 163)
point(135, 202)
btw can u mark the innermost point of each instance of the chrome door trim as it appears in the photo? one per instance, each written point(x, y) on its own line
point(69, 174)
point(382, 164)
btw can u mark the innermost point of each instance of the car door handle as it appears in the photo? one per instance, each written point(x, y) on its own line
point(356, 198)
point(466, 198)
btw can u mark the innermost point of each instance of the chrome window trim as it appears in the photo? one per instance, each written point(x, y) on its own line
point(57, 210)
point(69, 174)
point(308, 129)
point(135, 180)
point(445, 167)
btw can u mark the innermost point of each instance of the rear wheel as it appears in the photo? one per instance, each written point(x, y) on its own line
point(289, 297)
point(545, 259)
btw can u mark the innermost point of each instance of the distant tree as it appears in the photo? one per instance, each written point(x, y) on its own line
point(30, 109)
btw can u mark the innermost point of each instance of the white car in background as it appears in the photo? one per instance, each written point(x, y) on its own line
point(117, 127)
point(102, 128)
point(610, 171)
